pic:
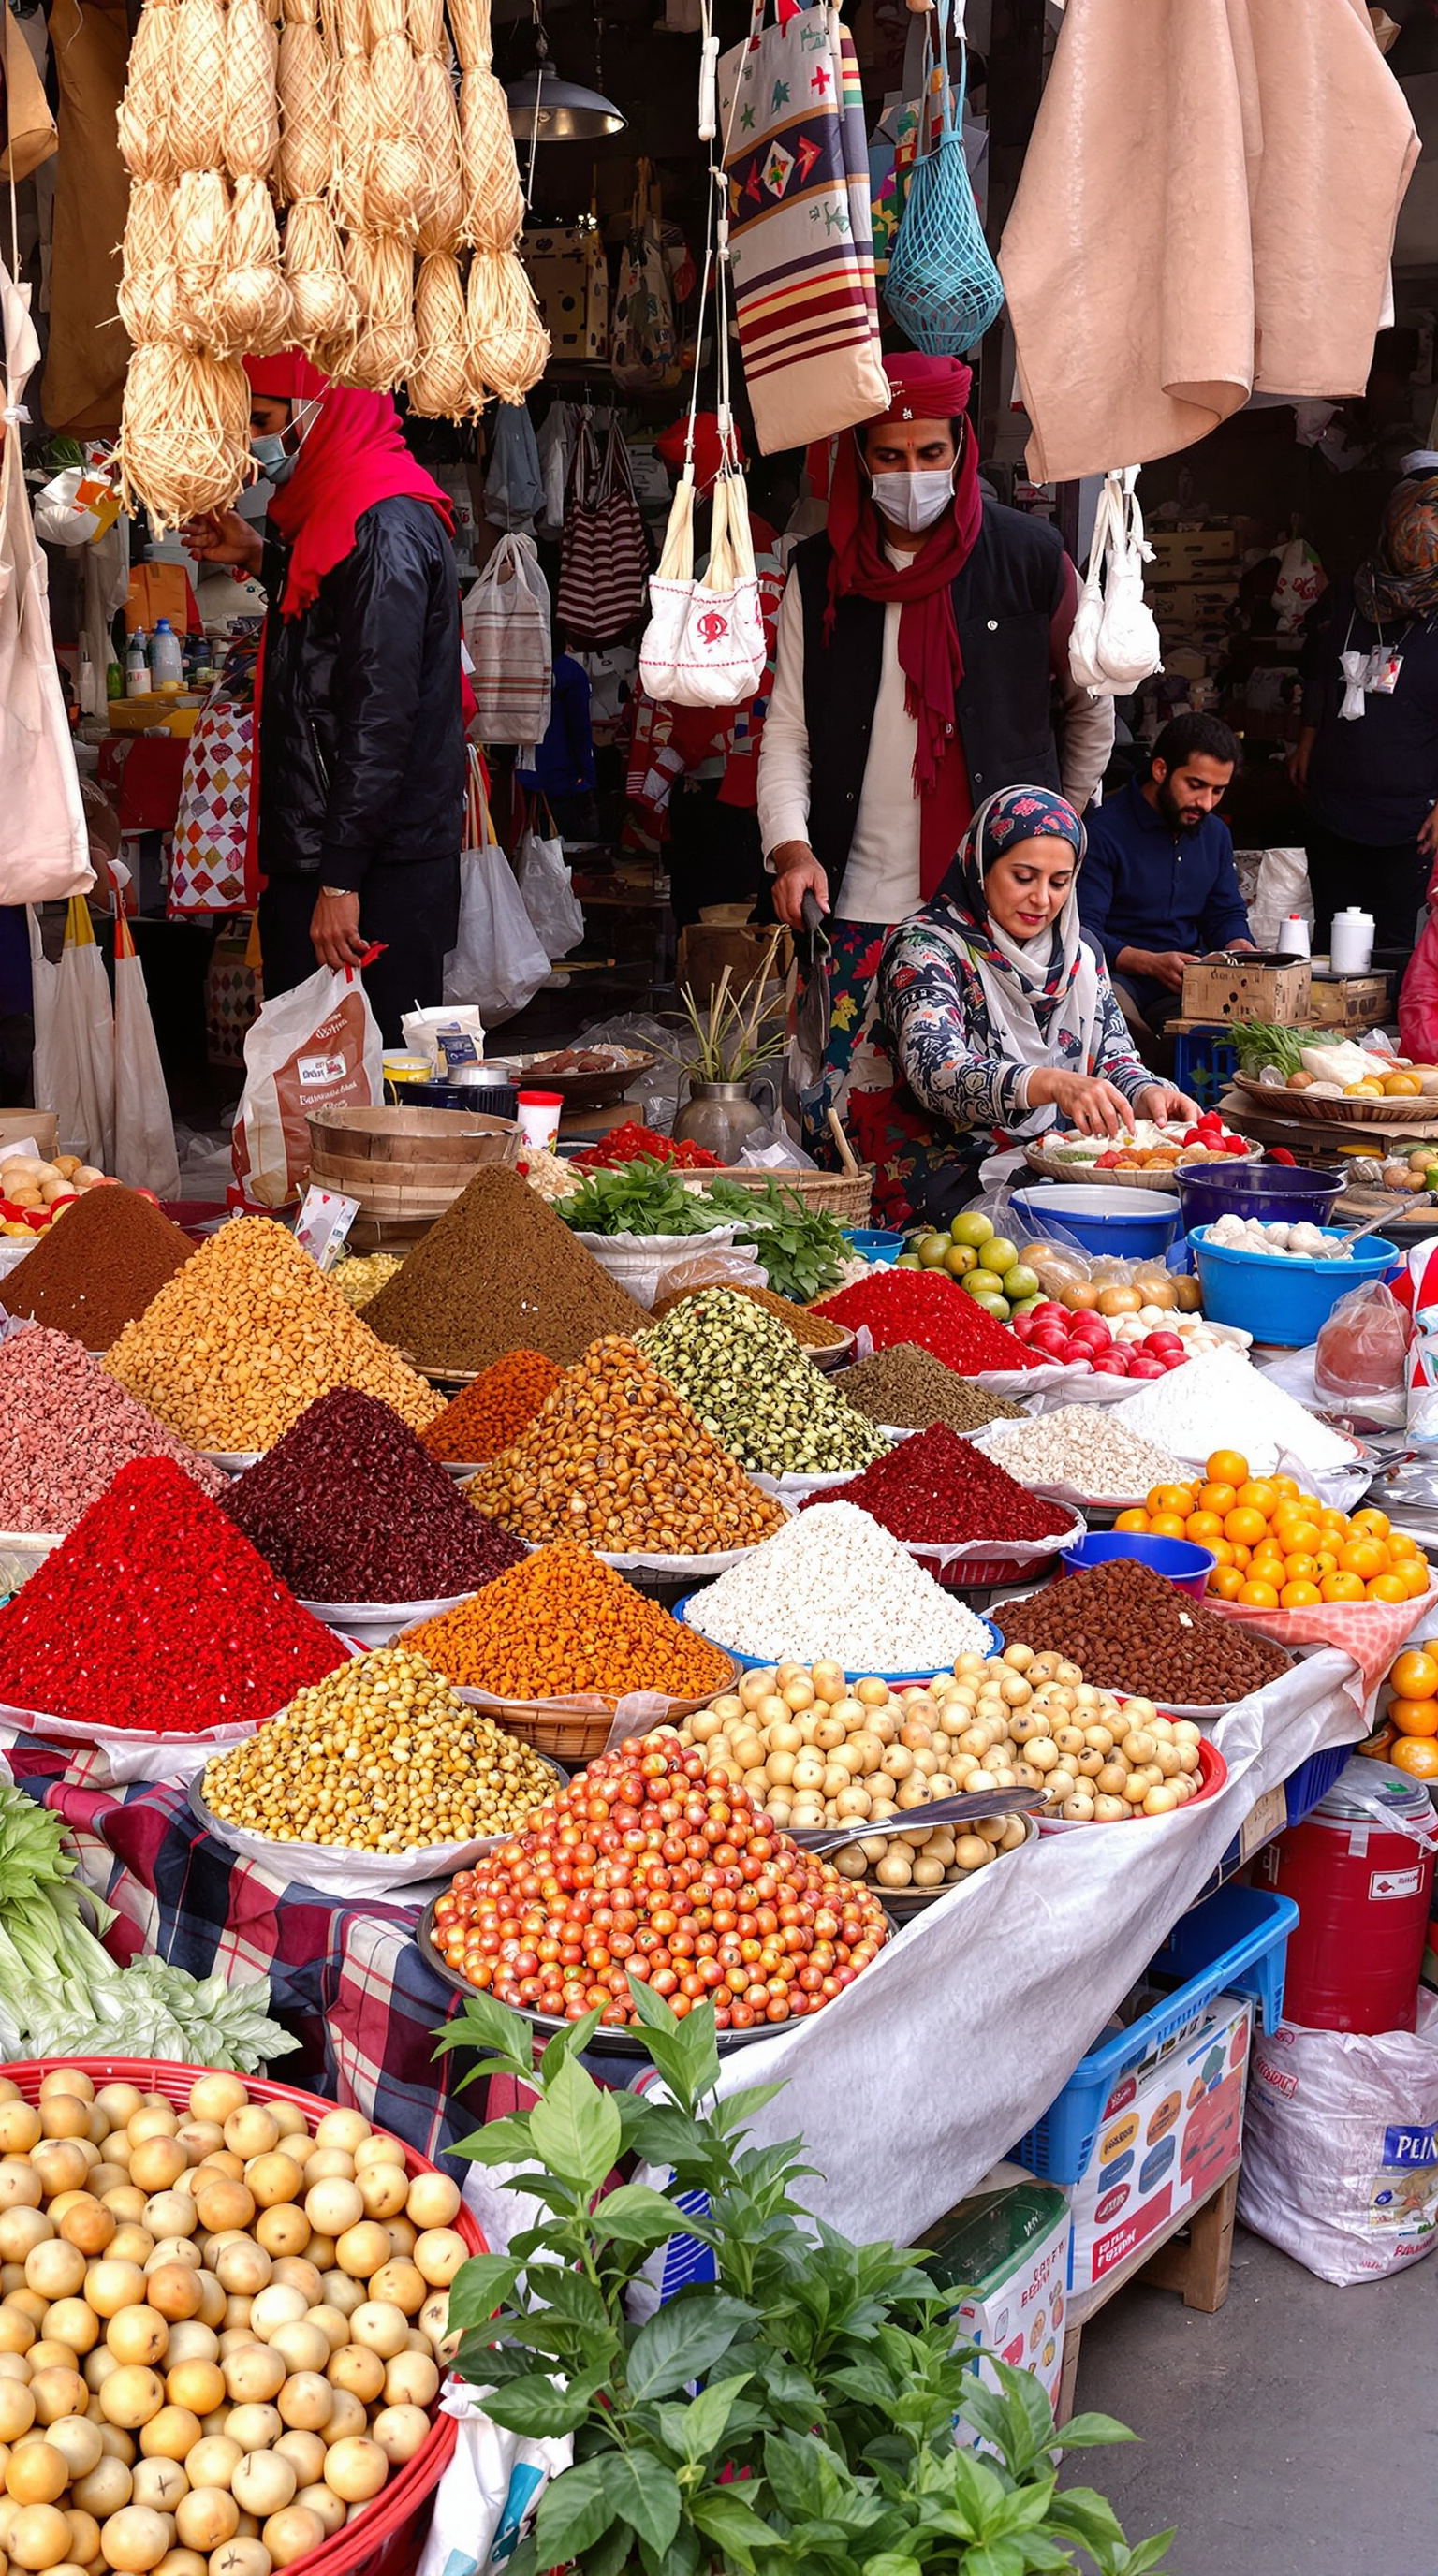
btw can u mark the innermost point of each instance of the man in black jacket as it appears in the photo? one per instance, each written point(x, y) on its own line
point(360, 753)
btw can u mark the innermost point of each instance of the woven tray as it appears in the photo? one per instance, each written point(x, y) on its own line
point(846, 1195)
point(1054, 1168)
point(1420, 1109)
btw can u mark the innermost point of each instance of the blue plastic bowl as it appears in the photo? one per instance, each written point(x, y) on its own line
point(1272, 1191)
point(1278, 1300)
point(1134, 1225)
point(873, 1242)
point(751, 1663)
point(1180, 1563)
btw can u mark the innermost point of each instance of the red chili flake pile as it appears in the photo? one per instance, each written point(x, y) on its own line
point(927, 1307)
point(65, 1427)
point(937, 1487)
point(157, 1615)
point(627, 1143)
point(348, 1507)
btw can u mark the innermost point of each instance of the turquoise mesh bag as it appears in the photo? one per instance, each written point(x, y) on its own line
point(942, 288)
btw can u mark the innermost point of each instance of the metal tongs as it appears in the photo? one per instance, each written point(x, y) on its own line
point(965, 1809)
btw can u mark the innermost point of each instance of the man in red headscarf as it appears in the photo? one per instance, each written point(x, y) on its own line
point(923, 637)
point(357, 810)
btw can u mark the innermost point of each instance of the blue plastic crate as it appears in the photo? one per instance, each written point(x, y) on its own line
point(1204, 1063)
point(1301, 1793)
point(1235, 1942)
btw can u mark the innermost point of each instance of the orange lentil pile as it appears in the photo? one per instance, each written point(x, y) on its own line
point(502, 1402)
point(564, 1623)
point(812, 1330)
point(618, 1459)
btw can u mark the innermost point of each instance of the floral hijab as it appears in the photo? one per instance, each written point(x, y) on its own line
point(1400, 577)
point(1032, 981)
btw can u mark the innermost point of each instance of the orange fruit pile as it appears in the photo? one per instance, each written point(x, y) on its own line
point(1279, 1548)
point(1413, 1709)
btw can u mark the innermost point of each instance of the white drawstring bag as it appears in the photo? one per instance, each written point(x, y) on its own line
point(1115, 641)
point(704, 645)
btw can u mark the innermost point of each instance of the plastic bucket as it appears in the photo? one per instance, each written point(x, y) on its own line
point(1134, 1225)
point(1180, 1563)
point(1272, 1191)
point(1363, 1889)
point(1278, 1300)
point(873, 1242)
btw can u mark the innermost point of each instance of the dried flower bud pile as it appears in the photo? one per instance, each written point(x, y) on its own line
point(908, 1388)
point(756, 1390)
point(65, 1429)
point(805, 1322)
point(930, 1308)
point(562, 1625)
point(1083, 1447)
point(348, 1507)
point(503, 1400)
point(834, 1587)
point(94, 1274)
point(937, 1487)
point(617, 1458)
point(157, 1614)
point(499, 1273)
point(246, 1335)
point(648, 1865)
point(381, 1757)
point(1131, 1631)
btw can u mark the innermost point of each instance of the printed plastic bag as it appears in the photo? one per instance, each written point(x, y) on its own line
point(1340, 2147)
point(145, 1155)
point(549, 898)
point(317, 1047)
point(1361, 1355)
point(489, 2494)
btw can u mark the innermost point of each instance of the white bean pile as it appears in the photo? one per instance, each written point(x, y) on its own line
point(832, 1586)
point(1081, 1447)
point(1284, 1242)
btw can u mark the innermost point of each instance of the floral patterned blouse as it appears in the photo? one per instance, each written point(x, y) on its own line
point(932, 1003)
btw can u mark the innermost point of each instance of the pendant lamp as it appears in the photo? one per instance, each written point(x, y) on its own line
point(546, 109)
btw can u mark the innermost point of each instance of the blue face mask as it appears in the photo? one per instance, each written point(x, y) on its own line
point(273, 458)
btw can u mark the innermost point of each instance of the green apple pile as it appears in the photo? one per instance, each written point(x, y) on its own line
point(985, 1263)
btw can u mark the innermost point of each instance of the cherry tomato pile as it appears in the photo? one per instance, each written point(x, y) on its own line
point(651, 1865)
point(1208, 1132)
point(1053, 1333)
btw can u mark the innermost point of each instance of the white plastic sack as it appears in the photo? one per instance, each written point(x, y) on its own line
point(1282, 889)
point(1340, 2147)
point(317, 1047)
point(74, 1070)
point(497, 963)
point(650, 1266)
point(145, 1155)
point(489, 2495)
point(549, 897)
point(44, 844)
point(1114, 643)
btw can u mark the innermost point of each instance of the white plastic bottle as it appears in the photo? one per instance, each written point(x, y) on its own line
point(137, 668)
point(167, 661)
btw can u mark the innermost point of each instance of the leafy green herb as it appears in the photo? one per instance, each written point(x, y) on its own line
point(646, 1197)
point(1259, 1042)
point(802, 1249)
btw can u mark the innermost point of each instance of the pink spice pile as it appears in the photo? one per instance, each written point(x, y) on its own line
point(66, 1427)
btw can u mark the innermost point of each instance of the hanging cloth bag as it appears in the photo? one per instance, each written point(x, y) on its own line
point(1114, 642)
point(704, 645)
point(942, 288)
point(506, 627)
point(145, 1156)
point(604, 552)
point(570, 277)
point(44, 845)
point(646, 349)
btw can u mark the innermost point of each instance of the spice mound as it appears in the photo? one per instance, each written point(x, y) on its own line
point(813, 1932)
point(833, 1587)
point(348, 1507)
point(502, 1402)
point(1079, 1446)
point(92, 1275)
point(807, 1326)
point(1222, 1401)
point(157, 1615)
point(562, 1625)
point(927, 1307)
point(617, 1458)
point(908, 1388)
point(1131, 1631)
point(753, 1387)
point(364, 1274)
point(937, 1487)
point(499, 1273)
point(382, 1757)
point(66, 1427)
point(246, 1335)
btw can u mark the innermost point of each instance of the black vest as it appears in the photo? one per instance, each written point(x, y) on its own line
point(1004, 601)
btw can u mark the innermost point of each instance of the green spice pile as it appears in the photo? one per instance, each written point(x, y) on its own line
point(756, 1390)
point(910, 1389)
point(499, 1273)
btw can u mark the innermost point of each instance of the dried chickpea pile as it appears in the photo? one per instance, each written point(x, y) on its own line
point(617, 1458)
point(381, 1757)
point(221, 2331)
point(243, 1339)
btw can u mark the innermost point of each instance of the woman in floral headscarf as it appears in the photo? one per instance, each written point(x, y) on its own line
point(1000, 1016)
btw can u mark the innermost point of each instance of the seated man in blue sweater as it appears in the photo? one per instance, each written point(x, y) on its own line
point(1158, 888)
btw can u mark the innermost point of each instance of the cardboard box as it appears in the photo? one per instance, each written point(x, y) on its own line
point(1275, 989)
point(1171, 2129)
point(1185, 554)
point(1007, 2245)
point(1348, 1002)
point(1192, 603)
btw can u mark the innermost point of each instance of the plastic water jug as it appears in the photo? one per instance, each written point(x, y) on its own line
point(167, 661)
point(1360, 1869)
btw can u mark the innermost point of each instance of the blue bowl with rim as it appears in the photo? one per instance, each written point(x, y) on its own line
point(1133, 1224)
point(1274, 1192)
point(1276, 1298)
point(1178, 1560)
point(873, 1242)
point(758, 1663)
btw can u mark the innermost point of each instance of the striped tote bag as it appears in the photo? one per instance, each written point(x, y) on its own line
point(506, 627)
point(604, 557)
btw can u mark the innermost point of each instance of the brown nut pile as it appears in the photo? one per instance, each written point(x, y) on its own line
point(1132, 1631)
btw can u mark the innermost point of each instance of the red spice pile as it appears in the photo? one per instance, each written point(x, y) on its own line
point(628, 1143)
point(157, 1614)
point(348, 1507)
point(927, 1307)
point(937, 1487)
point(502, 1402)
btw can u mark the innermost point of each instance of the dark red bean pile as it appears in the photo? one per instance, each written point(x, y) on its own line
point(938, 1487)
point(1132, 1631)
point(349, 1507)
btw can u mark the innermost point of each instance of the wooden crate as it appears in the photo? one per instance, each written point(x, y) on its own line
point(1248, 988)
point(1348, 1002)
point(1192, 2256)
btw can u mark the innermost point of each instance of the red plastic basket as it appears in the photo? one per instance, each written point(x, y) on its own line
point(1212, 1770)
point(386, 2541)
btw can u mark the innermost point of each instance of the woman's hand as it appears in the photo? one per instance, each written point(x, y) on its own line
point(1162, 1103)
point(1091, 1105)
point(223, 537)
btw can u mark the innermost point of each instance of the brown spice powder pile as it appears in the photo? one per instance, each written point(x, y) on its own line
point(97, 1267)
point(908, 1388)
point(499, 1273)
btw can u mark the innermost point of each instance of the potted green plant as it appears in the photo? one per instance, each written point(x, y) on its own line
point(729, 1045)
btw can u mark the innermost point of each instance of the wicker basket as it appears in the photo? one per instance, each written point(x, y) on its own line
point(846, 1195)
point(1053, 1167)
point(1419, 1110)
point(574, 1732)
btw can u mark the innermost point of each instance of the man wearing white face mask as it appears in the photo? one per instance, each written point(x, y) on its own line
point(922, 663)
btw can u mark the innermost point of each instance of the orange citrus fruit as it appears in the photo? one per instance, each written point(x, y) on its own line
point(1401, 1546)
point(1299, 1596)
point(1217, 1498)
point(1244, 1526)
point(1414, 1572)
point(1341, 1587)
point(1311, 1505)
point(1415, 1754)
point(1227, 1582)
point(1256, 1495)
point(1222, 1549)
point(1166, 1524)
point(1287, 1486)
point(1415, 1674)
point(1203, 1528)
point(1242, 1557)
point(1257, 1596)
point(1361, 1556)
point(1301, 1569)
point(1387, 1587)
point(1329, 1519)
point(1295, 1535)
point(1414, 1716)
point(1171, 1498)
point(1228, 1467)
point(1133, 1521)
point(1377, 1524)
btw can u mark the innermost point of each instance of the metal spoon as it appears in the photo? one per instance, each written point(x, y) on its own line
point(1370, 1225)
point(964, 1809)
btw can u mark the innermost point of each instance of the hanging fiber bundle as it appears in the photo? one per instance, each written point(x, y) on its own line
point(509, 345)
point(386, 18)
point(147, 296)
point(300, 13)
point(323, 301)
point(439, 386)
point(305, 163)
point(184, 433)
point(493, 197)
point(394, 164)
point(381, 270)
point(143, 119)
point(469, 20)
point(202, 243)
point(250, 304)
point(426, 28)
point(195, 120)
point(251, 110)
point(439, 210)
point(352, 137)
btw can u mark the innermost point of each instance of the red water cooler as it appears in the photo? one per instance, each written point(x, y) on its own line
point(1360, 1870)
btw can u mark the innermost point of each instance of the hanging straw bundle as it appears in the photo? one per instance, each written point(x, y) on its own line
point(147, 297)
point(470, 21)
point(345, 34)
point(195, 120)
point(202, 241)
point(143, 119)
point(440, 208)
point(251, 105)
point(323, 301)
point(381, 270)
point(426, 28)
point(305, 164)
point(394, 165)
point(493, 197)
point(250, 307)
point(184, 433)
point(439, 386)
point(509, 345)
